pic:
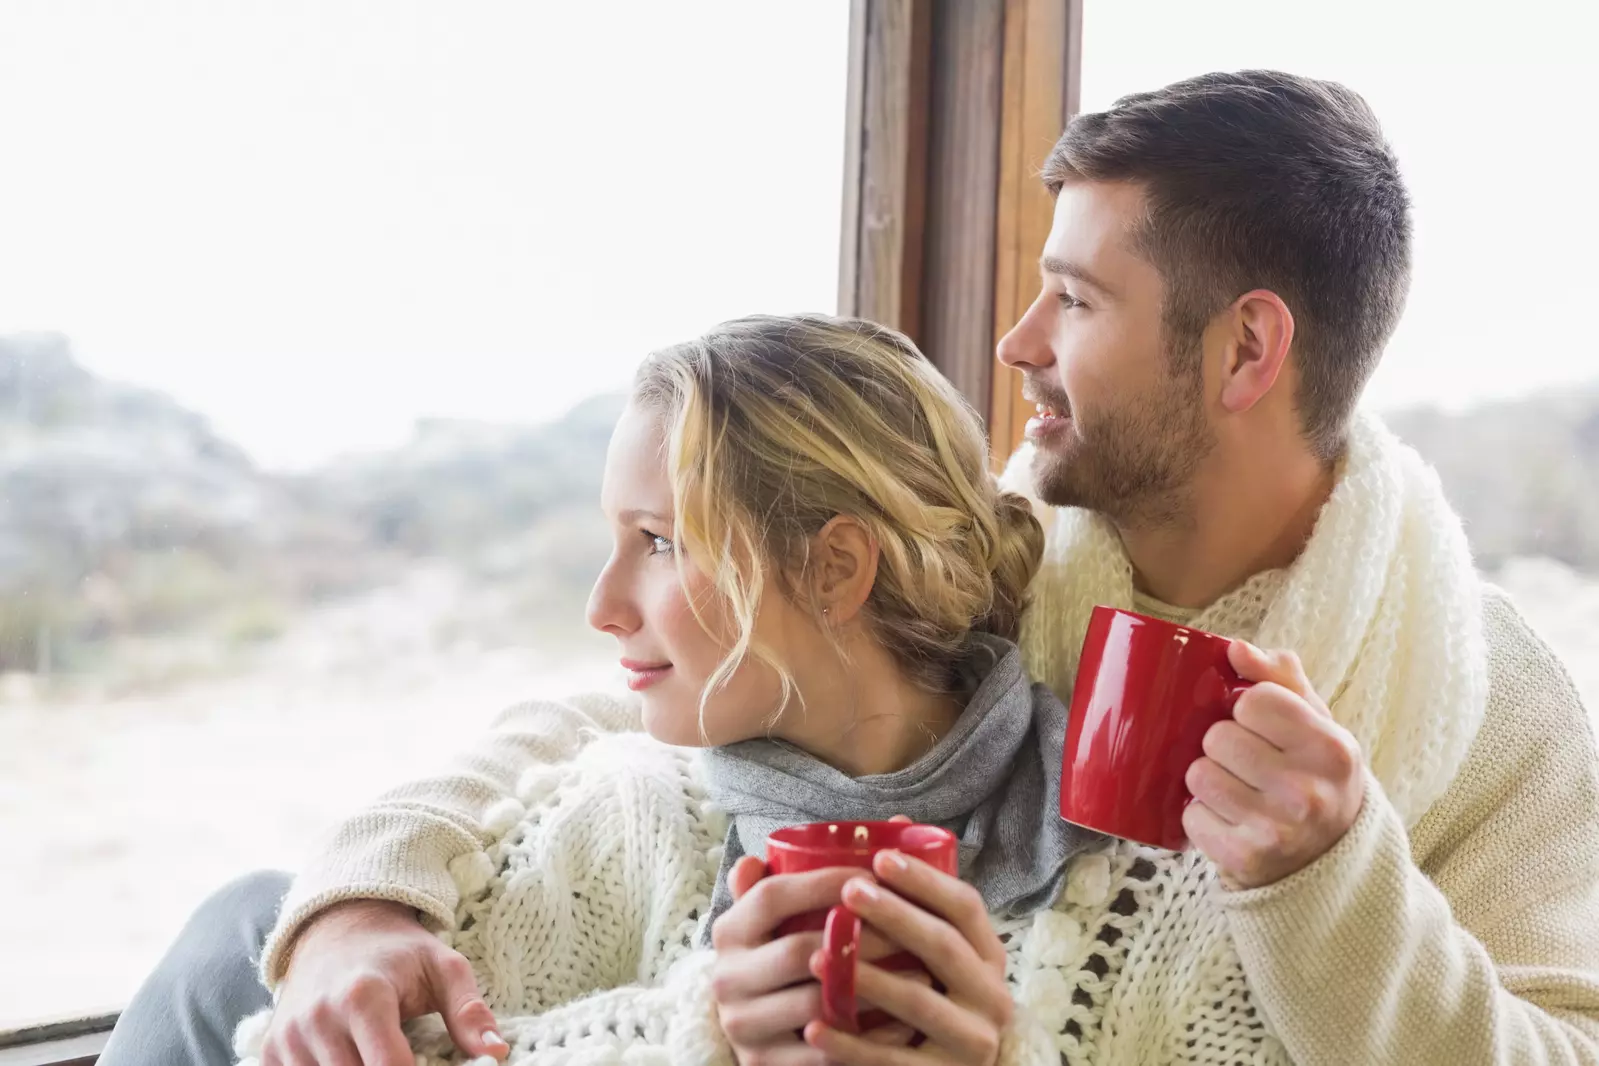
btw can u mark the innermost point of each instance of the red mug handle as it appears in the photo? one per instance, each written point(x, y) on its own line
point(841, 946)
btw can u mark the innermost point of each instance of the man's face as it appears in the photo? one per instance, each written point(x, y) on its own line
point(1122, 425)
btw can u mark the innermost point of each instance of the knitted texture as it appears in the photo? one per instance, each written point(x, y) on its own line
point(1457, 929)
point(580, 913)
point(1474, 941)
point(1381, 607)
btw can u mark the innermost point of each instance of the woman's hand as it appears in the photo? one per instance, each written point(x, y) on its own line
point(763, 987)
point(357, 971)
point(942, 921)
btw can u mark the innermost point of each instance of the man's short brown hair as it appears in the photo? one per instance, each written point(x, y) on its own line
point(1264, 180)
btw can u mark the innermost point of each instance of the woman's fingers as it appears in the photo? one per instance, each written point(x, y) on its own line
point(943, 896)
point(847, 1050)
point(774, 900)
point(767, 968)
point(744, 875)
point(970, 975)
point(771, 1019)
point(910, 999)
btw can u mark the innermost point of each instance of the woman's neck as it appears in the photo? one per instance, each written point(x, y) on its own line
point(866, 716)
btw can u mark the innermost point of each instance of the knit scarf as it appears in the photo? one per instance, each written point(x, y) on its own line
point(993, 780)
point(1382, 607)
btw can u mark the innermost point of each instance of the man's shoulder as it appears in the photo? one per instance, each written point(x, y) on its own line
point(1533, 765)
point(1526, 679)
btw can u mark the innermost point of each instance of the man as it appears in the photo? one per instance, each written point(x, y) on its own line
point(1397, 839)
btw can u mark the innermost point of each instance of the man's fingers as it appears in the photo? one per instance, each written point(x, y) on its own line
point(742, 877)
point(1244, 753)
point(466, 1016)
point(1217, 788)
point(333, 1047)
point(1279, 667)
point(1220, 841)
point(290, 1048)
point(1279, 715)
point(378, 1037)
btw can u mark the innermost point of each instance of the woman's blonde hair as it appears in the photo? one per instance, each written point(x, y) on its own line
point(778, 424)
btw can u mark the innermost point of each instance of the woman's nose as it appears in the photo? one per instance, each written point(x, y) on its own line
point(607, 609)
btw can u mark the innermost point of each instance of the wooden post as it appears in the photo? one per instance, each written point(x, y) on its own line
point(886, 162)
point(953, 106)
point(1043, 63)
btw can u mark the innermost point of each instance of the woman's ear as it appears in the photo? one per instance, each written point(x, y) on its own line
point(843, 568)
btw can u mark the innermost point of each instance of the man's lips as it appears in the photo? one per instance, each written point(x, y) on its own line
point(1051, 418)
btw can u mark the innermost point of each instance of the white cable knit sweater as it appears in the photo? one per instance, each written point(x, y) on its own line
point(1458, 926)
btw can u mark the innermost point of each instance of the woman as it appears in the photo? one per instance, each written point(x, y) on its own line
point(813, 579)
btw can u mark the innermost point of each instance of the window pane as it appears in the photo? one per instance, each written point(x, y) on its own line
point(1494, 372)
point(314, 320)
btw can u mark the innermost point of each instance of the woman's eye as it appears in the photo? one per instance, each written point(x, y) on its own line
point(659, 545)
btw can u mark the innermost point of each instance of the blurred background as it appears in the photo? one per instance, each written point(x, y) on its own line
point(314, 319)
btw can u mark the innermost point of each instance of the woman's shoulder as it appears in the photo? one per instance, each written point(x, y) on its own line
point(612, 768)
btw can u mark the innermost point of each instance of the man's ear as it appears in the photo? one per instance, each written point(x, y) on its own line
point(843, 567)
point(1260, 330)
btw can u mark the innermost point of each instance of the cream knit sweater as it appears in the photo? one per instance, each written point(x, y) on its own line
point(1463, 932)
point(1472, 940)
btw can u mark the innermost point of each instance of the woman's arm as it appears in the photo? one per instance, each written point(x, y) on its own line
point(401, 847)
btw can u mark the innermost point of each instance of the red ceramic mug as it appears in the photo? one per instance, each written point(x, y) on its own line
point(1147, 691)
point(823, 845)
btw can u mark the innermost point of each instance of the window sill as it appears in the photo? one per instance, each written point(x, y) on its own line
point(77, 1042)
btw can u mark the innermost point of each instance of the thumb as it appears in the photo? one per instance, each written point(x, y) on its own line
point(900, 818)
point(745, 873)
point(1279, 667)
point(470, 1022)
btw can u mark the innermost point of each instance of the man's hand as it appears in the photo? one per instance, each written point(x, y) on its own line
point(1280, 782)
point(357, 971)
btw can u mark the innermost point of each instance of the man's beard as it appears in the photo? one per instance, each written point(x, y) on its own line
point(1133, 463)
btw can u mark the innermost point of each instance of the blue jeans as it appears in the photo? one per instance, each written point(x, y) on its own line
point(185, 1012)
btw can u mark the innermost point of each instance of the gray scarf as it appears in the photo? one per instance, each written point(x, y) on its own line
point(993, 780)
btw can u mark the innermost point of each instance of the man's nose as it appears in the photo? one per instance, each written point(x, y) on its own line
point(1026, 346)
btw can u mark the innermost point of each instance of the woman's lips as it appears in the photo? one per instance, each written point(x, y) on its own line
point(641, 676)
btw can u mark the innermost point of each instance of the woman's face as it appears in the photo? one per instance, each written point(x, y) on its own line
point(642, 598)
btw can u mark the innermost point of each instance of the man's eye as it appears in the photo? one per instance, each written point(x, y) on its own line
point(1068, 301)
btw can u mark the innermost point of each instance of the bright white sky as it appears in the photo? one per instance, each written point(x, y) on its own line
point(317, 220)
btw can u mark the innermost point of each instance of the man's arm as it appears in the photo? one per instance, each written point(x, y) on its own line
point(401, 847)
point(1487, 952)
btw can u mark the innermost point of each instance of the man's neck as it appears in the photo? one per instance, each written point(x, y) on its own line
point(1244, 518)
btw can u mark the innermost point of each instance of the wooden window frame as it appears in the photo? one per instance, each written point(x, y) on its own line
point(73, 1042)
point(953, 106)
